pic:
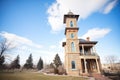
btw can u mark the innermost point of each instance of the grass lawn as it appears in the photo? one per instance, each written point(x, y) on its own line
point(35, 76)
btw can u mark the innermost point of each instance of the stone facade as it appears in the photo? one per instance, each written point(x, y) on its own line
point(80, 54)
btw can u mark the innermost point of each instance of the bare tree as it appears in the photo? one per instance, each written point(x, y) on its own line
point(111, 60)
point(5, 45)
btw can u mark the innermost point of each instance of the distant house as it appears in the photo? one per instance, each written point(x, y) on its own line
point(80, 54)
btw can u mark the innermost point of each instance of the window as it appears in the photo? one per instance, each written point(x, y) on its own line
point(72, 35)
point(81, 50)
point(73, 47)
point(71, 24)
point(73, 64)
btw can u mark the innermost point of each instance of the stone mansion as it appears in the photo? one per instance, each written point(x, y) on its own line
point(80, 54)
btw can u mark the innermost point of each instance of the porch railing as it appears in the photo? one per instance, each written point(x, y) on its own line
point(89, 54)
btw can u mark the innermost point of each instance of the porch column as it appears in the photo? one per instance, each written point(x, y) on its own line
point(91, 65)
point(94, 49)
point(83, 49)
point(98, 69)
point(85, 64)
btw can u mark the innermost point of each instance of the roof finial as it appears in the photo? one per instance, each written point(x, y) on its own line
point(70, 13)
point(88, 38)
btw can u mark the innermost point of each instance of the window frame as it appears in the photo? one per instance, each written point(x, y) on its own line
point(72, 35)
point(72, 47)
point(73, 65)
point(71, 23)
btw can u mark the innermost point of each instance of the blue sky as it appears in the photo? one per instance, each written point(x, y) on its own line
point(36, 26)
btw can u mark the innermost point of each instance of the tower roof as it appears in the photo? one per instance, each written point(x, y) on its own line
point(70, 15)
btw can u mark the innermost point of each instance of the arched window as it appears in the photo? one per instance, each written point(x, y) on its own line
point(71, 24)
point(72, 35)
point(73, 47)
point(73, 64)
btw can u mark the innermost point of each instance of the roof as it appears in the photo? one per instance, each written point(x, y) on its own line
point(82, 41)
point(70, 15)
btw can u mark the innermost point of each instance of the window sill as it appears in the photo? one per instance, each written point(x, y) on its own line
point(73, 69)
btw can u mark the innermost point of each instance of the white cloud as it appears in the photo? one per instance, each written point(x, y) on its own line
point(109, 7)
point(96, 33)
point(62, 40)
point(55, 23)
point(55, 49)
point(82, 7)
point(53, 46)
point(19, 41)
point(23, 47)
point(11, 36)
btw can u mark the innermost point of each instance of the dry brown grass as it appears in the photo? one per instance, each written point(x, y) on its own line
point(35, 76)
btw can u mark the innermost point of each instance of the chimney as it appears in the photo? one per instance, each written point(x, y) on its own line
point(88, 38)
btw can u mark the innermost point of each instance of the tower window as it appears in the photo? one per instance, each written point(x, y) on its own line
point(73, 47)
point(71, 24)
point(72, 35)
point(73, 64)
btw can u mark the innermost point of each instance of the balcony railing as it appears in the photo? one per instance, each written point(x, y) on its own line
point(89, 54)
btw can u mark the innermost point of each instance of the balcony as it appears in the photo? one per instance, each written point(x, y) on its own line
point(89, 55)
